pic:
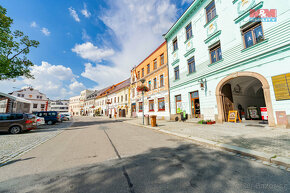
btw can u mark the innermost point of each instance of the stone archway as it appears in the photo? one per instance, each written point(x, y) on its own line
point(266, 89)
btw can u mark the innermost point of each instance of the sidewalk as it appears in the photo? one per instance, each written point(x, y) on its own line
point(265, 143)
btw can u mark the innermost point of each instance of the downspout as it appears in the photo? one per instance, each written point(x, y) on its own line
point(169, 105)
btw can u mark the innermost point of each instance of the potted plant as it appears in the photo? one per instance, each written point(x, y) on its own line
point(142, 88)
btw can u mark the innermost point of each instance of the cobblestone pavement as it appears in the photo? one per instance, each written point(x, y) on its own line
point(12, 146)
point(263, 139)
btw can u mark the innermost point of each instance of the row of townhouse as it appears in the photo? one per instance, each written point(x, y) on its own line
point(219, 56)
point(110, 101)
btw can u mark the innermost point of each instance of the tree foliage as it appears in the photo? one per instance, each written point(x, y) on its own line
point(14, 47)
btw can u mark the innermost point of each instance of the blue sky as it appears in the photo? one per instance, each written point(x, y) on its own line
point(88, 44)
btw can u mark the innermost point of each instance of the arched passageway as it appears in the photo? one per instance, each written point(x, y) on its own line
point(245, 92)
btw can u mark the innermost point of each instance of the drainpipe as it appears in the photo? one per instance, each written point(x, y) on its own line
point(169, 105)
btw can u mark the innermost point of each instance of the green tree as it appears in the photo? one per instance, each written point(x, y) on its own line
point(14, 46)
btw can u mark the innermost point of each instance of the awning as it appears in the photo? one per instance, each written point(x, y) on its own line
point(15, 98)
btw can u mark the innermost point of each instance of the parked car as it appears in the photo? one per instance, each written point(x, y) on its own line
point(40, 121)
point(50, 117)
point(68, 116)
point(62, 117)
point(16, 123)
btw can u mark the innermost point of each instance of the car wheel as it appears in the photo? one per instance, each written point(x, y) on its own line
point(49, 122)
point(15, 130)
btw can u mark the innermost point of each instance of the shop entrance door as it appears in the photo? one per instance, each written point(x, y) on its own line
point(195, 105)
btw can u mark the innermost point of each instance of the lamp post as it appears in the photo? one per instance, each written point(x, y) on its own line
point(142, 81)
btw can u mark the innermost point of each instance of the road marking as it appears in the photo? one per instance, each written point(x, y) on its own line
point(125, 173)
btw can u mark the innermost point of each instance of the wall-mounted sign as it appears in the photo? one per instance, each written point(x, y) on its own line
point(281, 84)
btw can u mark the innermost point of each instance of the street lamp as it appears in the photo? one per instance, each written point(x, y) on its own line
point(142, 81)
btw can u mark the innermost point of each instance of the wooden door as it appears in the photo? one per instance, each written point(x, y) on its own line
point(228, 103)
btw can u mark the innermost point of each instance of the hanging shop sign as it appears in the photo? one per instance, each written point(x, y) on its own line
point(281, 84)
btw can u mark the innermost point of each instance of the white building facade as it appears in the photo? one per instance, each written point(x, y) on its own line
point(39, 101)
point(58, 105)
point(75, 106)
point(221, 60)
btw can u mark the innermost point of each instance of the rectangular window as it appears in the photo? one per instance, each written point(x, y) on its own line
point(162, 59)
point(161, 104)
point(118, 99)
point(210, 11)
point(176, 72)
point(42, 106)
point(178, 103)
point(140, 106)
point(188, 31)
point(37, 96)
point(151, 105)
point(115, 100)
point(142, 72)
point(215, 53)
point(35, 106)
point(122, 98)
point(149, 84)
point(126, 97)
point(253, 35)
point(148, 68)
point(161, 81)
point(191, 65)
point(155, 83)
point(138, 75)
point(18, 95)
point(155, 64)
point(175, 45)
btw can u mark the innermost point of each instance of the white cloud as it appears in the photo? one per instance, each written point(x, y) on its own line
point(186, 1)
point(111, 75)
point(74, 14)
point(56, 81)
point(138, 26)
point(77, 86)
point(85, 11)
point(45, 31)
point(89, 51)
point(33, 24)
point(85, 36)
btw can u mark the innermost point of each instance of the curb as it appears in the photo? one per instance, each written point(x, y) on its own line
point(235, 149)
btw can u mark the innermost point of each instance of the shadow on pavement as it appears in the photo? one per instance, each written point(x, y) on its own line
point(90, 123)
point(184, 169)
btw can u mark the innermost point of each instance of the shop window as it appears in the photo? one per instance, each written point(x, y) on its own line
point(140, 106)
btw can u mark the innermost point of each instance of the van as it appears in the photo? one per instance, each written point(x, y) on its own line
point(50, 117)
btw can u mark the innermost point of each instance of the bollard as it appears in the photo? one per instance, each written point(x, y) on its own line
point(146, 119)
point(153, 120)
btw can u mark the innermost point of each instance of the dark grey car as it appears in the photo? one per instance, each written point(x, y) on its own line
point(16, 123)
